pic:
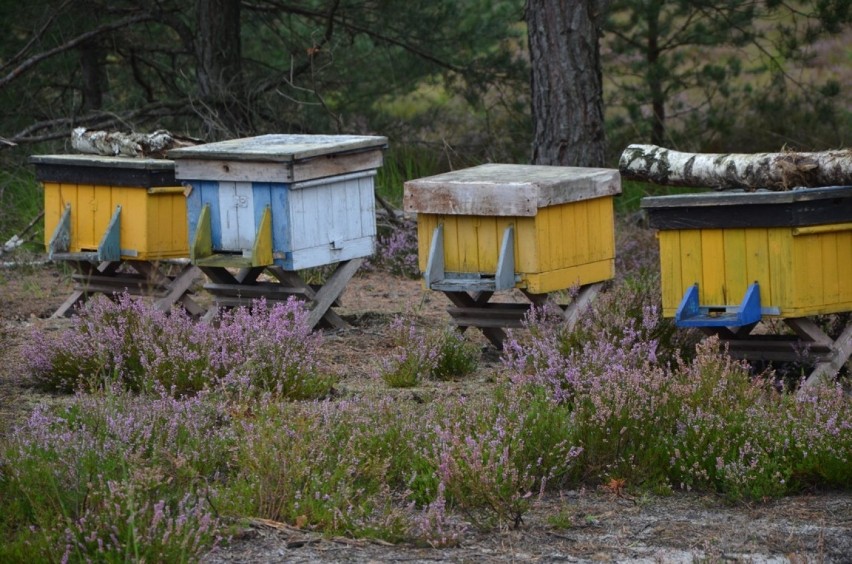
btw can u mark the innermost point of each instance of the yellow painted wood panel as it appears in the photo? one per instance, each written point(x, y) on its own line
point(691, 269)
point(490, 237)
point(830, 278)
point(781, 266)
point(671, 281)
point(564, 278)
point(53, 208)
point(83, 218)
point(155, 226)
point(736, 265)
point(527, 254)
point(802, 275)
point(712, 289)
point(757, 264)
point(468, 243)
point(426, 224)
point(546, 242)
point(844, 265)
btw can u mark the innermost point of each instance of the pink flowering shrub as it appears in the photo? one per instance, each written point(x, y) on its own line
point(111, 475)
point(262, 349)
point(419, 355)
point(642, 412)
point(396, 250)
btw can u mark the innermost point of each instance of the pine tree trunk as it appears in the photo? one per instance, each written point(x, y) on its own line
point(773, 171)
point(567, 91)
point(219, 66)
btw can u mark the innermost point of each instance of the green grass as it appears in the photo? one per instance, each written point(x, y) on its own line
point(21, 200)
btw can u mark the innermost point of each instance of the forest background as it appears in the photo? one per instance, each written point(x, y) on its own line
point(447, 81)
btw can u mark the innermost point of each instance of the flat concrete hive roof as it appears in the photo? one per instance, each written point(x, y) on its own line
point(508, 189)
point(279, 147)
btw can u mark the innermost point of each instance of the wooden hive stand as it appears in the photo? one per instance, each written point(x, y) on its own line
point(731, 262)
point(491, 229)
point(120, 223)
point(263, 209)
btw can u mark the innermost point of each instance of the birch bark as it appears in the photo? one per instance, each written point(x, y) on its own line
point(773, 171)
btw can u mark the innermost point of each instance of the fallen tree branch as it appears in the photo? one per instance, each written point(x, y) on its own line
point(115, 143)
point(773, 171)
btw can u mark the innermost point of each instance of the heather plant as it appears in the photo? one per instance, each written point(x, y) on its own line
point(130, 342)
point(315, 465)
point(494, 456)
point(418, 355)
point(114, 477)
point(703, 422)
point(456, 355)
point(396, 249)
point(413, 358)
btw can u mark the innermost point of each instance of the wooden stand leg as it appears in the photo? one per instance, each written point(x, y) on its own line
point(466, 302)
point(237, 290)
point(147, 280)
point(85, 270)
point(830, 354)
point(473, 309)
point(826, 370)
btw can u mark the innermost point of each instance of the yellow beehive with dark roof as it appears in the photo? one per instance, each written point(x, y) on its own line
point(112, 208)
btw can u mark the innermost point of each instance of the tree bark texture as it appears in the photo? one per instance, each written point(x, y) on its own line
point(773, 171)
point(115, 144)
point(219, 60)
point(567, 89)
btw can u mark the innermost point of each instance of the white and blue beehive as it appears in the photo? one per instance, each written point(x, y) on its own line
point(296, 201)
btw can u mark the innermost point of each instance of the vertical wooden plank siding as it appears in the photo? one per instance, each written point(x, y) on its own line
point(527, 257)
point(803, 274)
point(736, 260)
point(152, 226)
point(712, 288)
point(807, 274)
point(468, 245)
point(831, 281)
point(671, 280)
point(757, 264)
point(489, 237)
point(54, 205)
point(844, 266)
point(367, 191)
point(781, 266)
point(692, 269)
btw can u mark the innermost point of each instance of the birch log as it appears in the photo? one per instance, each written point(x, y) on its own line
point(773, 171)
point(114, 143)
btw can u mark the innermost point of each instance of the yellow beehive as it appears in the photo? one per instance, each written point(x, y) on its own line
point(796, 245)
point(90, 189)
point(562, 220)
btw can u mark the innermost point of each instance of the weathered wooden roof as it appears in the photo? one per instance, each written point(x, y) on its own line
point(741, 209)
point(103, 161)
point(508, 189)
point(105, 171)
point(279, 147)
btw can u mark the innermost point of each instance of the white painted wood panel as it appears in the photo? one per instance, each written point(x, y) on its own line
point(318, 256)
point(367, 209)
point(236, 205)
